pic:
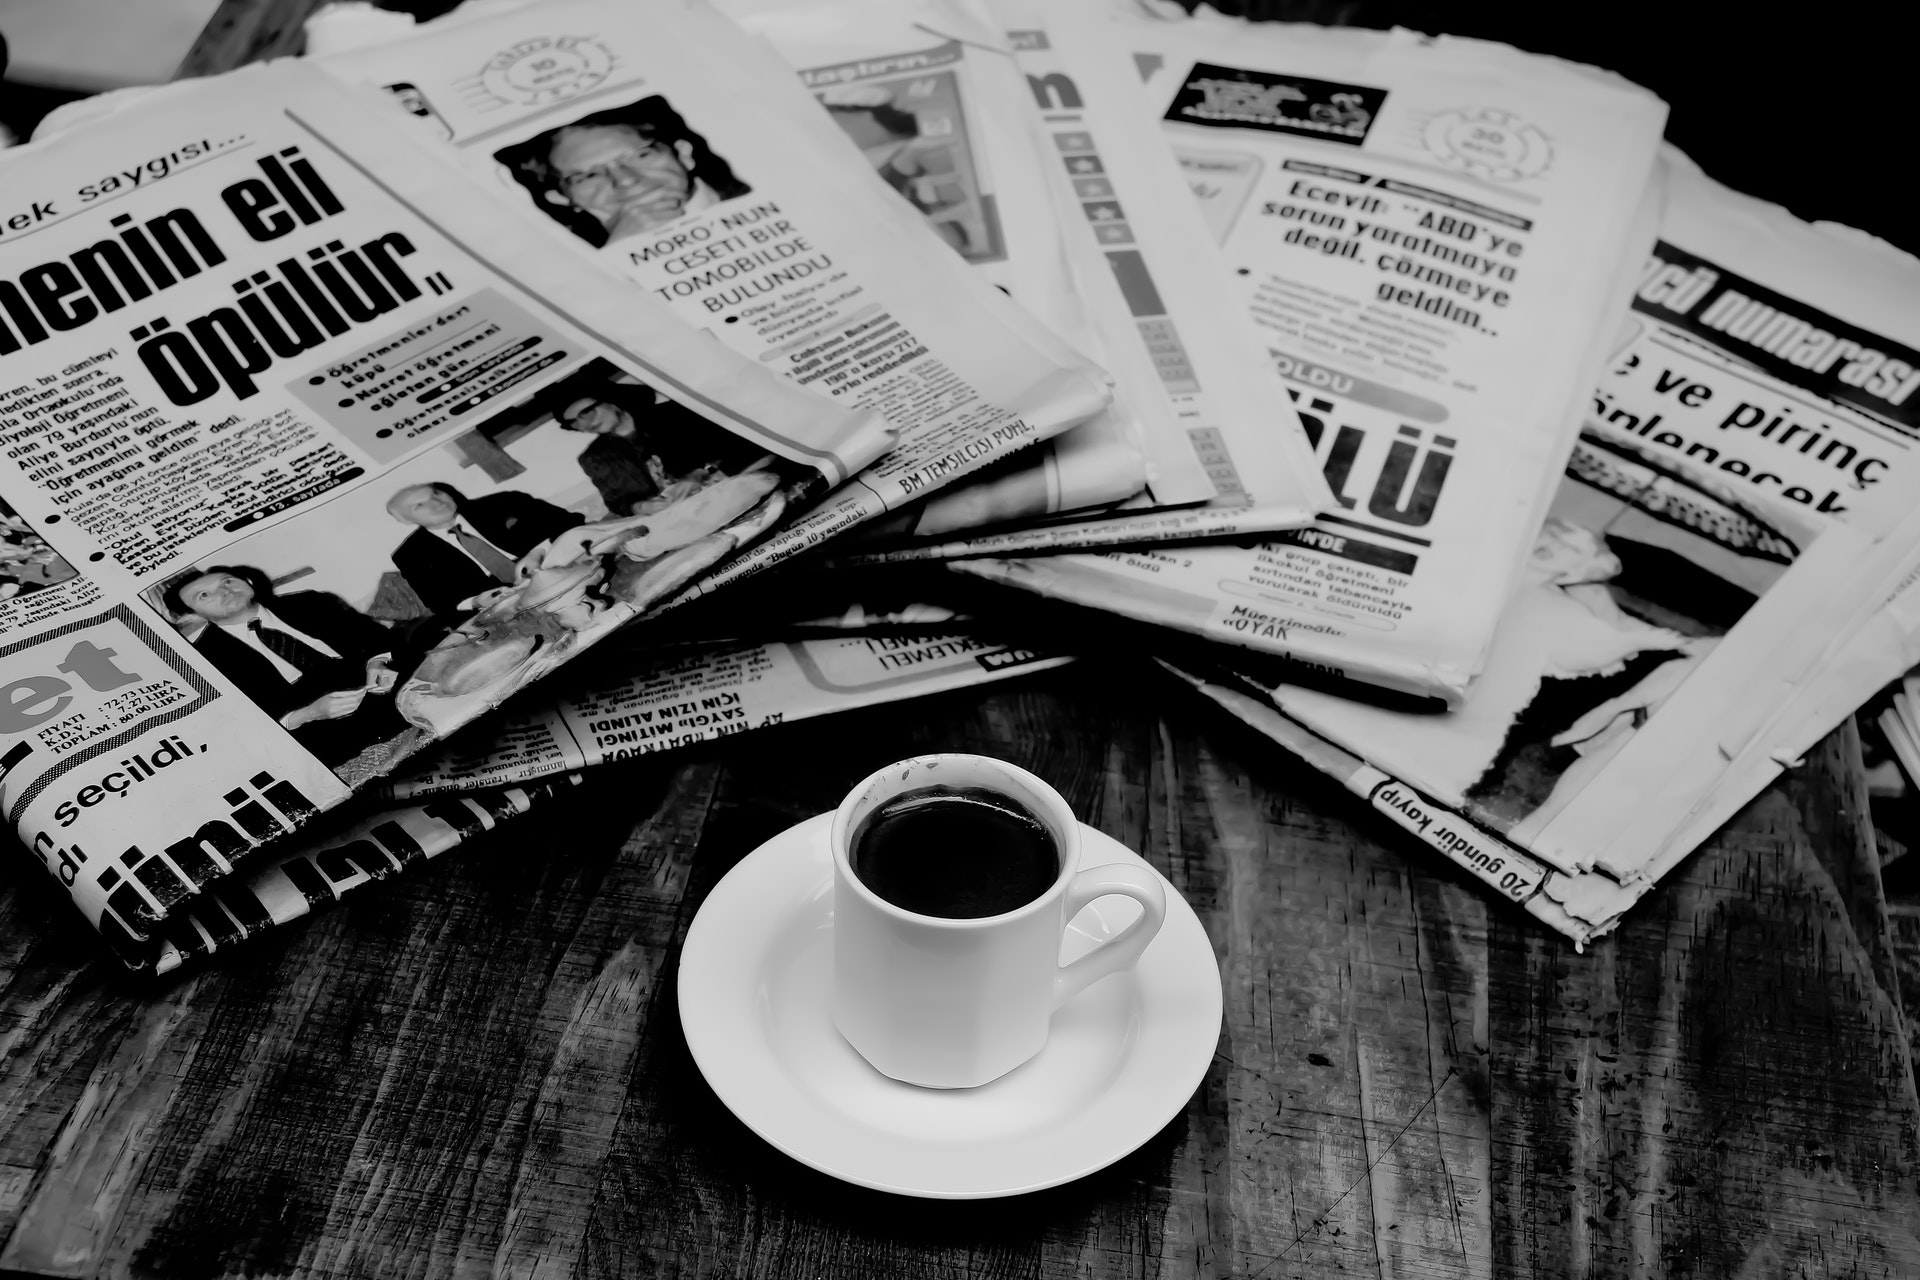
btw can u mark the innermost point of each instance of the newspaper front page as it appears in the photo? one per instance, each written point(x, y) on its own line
point(286, 494)
point(678, 153)
point(1427, 235)
point(1753, 595)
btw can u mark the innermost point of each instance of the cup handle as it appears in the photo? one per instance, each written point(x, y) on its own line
point(1129, 880)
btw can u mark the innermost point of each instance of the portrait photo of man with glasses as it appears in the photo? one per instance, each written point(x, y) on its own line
point(622, 172)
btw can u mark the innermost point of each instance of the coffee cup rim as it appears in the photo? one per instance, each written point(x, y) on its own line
point(1060, 820)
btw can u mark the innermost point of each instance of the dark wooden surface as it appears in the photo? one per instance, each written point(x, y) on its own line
point(243, 31)
point(479, 1070)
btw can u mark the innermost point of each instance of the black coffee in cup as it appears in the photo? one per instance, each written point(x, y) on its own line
point(955, 852)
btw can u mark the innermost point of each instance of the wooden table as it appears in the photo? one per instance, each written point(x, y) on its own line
point(479, 1069)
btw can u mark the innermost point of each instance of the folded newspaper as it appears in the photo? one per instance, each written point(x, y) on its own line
point(1729, 569)
point(1080, 224)
point(638, 136)
point(973, 118)
point(301, 463)
point(943, 117)
point(1428, 235)
point(363, 845)
point(653, 703)
point(627, 702)
point(454, 420)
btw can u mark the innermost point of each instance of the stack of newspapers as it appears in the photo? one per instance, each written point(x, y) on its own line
point(1400, 393)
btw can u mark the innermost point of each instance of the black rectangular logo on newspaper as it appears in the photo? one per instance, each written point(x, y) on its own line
point(1798, 344)
point(1228, 98)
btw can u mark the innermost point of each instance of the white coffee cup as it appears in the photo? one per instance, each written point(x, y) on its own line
point(953, 1003)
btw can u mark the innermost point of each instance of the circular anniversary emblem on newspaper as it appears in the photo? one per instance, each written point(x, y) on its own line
point(546, 69)
point(1488, 143)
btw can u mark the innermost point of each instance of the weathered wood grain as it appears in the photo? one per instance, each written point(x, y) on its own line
point(1725, 1089)
point(480, 1069)
point(1905, 923)
point(243, 31)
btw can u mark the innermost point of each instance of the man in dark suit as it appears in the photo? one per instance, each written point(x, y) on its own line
point(647, 451)
point(310, 660)
point(463, 546)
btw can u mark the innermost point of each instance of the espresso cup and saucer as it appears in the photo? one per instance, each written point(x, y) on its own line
point(950, 987)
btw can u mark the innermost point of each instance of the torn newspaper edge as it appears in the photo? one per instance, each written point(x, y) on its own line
point(1612, 777)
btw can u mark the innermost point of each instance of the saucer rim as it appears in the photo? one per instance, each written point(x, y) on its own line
point(1097, 849)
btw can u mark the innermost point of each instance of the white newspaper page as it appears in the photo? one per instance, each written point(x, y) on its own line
point(644, 137)
point(1426, 235)
point(1225, 452)
point(1847, 678)
point(661, 702)
point(1620, 605)
point(286, 493)
point(1632, 609)
point(1625, 761)
point(1776, 356)
point(1851, 671)
point(935, 104)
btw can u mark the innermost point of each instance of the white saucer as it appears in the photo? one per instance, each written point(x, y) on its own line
point(1121, 1061)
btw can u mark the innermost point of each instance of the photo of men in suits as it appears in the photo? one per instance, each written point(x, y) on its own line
point(647, 451)
point(461, 547)
point(307, 658)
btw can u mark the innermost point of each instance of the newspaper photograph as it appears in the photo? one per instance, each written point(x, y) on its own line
point(303, 410)
point(638, 138)
point(1428, 237)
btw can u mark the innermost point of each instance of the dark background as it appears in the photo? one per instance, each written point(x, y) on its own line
point(1810, 107)
point(1812, 111)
